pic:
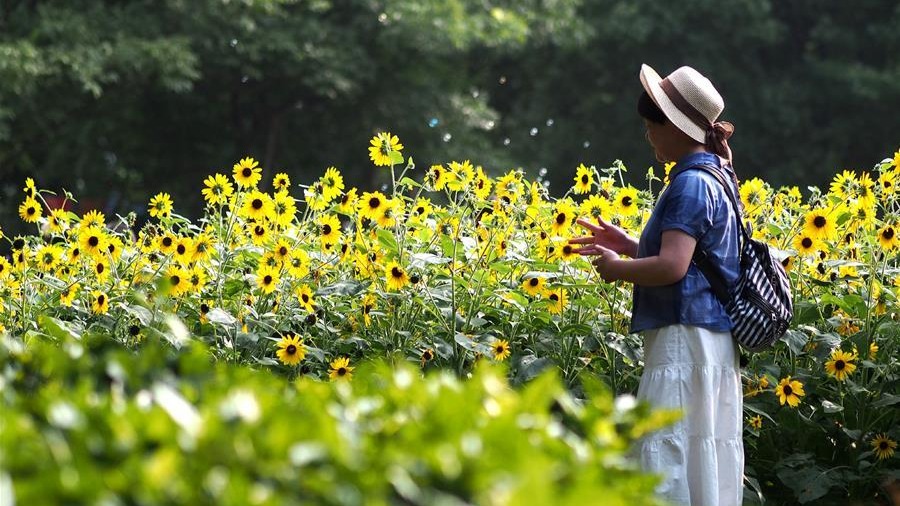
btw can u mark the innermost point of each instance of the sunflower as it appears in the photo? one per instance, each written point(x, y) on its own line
point(371, 204)
point(806, 244)
point(218, 189)
point(67, 295)
point(99, 302)
point(462, 175)
point(563, 217)
point(259, 233)
point(30, 189)
point(387, 216)
point(821, 223)
point(48, 257)
point(93, 218)
point(883, 446)
point(558, 298)
point(483, 184)
point(101, 269)
point(257, 206)
point(281, 182)
point(340, 369)
point(887, 237)
point(584, 180)
point(166, 243)
point(160, 205)
point(291, 349)
point(203, 247)
point(329, 229)
point(627, 201)
point(247, 173)
point(534, 286)
point(887, 181)
point(184, 250)
point(500, 348)
point(841, 364)
point(332, 183)
point(509, 187)
point(754, 195)
point(395, 276)
point(92, 241)
point(284, 208)
point(347, 204)
point(565, 252)
point(176, 281)
point(789, 391)
point(437, 177)
point(367, 305)
point(282, 250)
point(57, 221)
point(845, 186)
point(427, 356)
point(298, 263)
point(5, 267)
point(421, 210)
point(197, 279)
point(596, 206)
point(30, 210)
point(267, 279)
point(385, 150)
point(755, 422)
point(305, 297)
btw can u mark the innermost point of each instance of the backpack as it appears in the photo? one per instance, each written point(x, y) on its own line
point(760, 304)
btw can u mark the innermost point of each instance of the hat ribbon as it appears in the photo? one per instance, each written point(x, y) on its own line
point(717, 133)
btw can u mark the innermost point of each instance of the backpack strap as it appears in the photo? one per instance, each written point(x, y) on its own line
point(701, 258)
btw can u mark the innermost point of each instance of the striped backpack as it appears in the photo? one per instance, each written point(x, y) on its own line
point(760, 304)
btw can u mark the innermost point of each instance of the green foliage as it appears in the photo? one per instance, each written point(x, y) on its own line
point(87, 421)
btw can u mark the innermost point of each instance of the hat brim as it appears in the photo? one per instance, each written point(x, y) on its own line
point(650, 81)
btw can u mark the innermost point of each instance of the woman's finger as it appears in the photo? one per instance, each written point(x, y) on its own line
point(588, 225)
point(587, 250)
point(587, 239)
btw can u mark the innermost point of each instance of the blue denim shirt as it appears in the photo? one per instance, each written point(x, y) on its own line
point(696, 204)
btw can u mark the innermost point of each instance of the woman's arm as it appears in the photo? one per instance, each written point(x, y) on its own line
point(668, 267)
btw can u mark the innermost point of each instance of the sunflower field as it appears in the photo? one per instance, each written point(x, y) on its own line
point(321, 343)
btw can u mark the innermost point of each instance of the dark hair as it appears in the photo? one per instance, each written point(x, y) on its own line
point(648, 109)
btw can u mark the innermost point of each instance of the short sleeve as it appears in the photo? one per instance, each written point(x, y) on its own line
point(689, 205)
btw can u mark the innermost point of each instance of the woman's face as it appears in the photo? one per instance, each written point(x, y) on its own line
point(660, 138)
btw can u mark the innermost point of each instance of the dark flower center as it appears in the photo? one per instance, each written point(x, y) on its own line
point(326, 229)
point(533, 281)
point(819, 221)
point(806, 242)
point(134, 330)
point(283, 250)
point(305, 297)
point(584, 179)
point(839, 365)
point(100, 268)
point(888, 233)
point(93, 241)
point(342, 371)
point(567, 249)
point(30, 211)
point(247, 172)
point(259, 230)
point(181, 249)
point(167, 241)
point(268, 279)
point(291, 349)
point(175, 280)
point(788, 390)
point(257, 204)
point(204, 308)
point(626, 201)
point(374, 202)
point(554, 297)
point(101, 299)
point(560, 218)
point(396, 272)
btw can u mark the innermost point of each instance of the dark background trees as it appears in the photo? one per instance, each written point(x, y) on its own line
point(118, 100)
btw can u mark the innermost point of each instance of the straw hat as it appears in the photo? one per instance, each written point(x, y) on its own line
point(687, 98)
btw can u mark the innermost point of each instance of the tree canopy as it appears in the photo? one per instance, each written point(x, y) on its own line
point(118, 100)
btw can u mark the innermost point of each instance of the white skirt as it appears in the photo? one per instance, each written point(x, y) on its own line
point(701, 457)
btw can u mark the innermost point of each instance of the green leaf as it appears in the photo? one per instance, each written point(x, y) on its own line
point(795, 340)
point(221, 317)
point(57, 328)
point(396, 157)
point(830, 407)
point(412, 183)
point(386, 238)
point(886, 400)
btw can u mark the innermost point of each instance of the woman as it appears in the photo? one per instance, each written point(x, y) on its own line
point(690, 357)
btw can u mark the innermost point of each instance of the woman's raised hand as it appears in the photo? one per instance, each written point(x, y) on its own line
point(604, 235)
